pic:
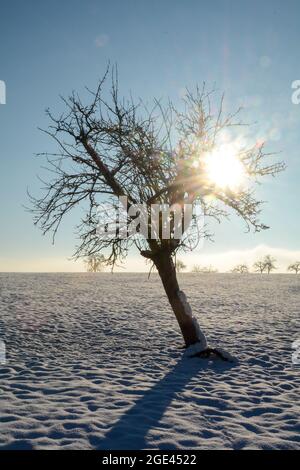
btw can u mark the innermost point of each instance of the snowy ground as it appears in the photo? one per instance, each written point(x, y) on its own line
point(93, 362)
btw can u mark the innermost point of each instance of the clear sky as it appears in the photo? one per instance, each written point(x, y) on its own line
point(250, 50)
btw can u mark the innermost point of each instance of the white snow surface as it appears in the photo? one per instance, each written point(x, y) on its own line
point(94, 362)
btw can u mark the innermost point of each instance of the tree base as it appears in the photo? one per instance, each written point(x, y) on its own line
point(206, 353)
point(212, 352)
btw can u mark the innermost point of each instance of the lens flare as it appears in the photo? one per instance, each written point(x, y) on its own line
point(224, 169)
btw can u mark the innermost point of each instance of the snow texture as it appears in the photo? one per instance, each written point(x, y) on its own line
point(94, 362)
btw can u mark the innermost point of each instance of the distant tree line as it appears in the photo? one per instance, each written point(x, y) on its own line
point(264, 265)
point(203, 269)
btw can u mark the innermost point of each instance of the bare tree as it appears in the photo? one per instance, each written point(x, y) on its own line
point(111, 148)
point(241, 269)
point(294, 267)
point(269, 263)
point(196, 268)
point(180, 266)
point(95, 263)
point(259, 266)
point(204, 269)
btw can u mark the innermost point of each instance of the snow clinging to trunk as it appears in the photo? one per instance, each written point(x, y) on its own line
point(201, 345)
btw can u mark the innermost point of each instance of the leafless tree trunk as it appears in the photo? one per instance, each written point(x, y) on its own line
point(188, 324)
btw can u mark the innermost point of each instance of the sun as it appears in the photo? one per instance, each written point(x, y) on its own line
point(224, 169)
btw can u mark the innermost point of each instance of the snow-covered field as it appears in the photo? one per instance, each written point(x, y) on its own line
point(93, 361)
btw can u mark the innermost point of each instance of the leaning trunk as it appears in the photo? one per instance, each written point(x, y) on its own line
point(188, 324)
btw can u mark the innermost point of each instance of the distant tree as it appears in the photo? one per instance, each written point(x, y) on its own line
point(196, 268)
point(241, 269)
point(117, 151)
point(209, 269)
point(259, 266)
point(95, 263)
point(180, 266)
point(269, 263)
point(294, 267)
point(204, 269)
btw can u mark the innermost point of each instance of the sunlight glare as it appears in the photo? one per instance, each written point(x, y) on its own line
point(224, 169)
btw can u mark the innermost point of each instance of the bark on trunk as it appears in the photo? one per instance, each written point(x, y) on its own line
point(188, 324)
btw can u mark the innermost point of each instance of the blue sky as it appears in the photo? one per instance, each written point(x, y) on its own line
point(248, 49)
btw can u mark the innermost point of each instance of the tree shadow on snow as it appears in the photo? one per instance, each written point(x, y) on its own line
point(131, 430)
